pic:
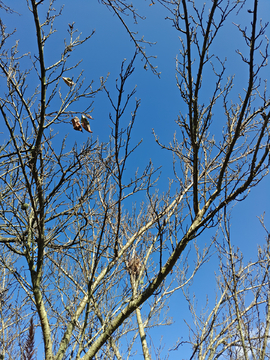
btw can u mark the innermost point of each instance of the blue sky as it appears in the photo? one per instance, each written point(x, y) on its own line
point(160, 106)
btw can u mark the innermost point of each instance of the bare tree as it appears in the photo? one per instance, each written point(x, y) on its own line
point(237, 327)
point(85, 263)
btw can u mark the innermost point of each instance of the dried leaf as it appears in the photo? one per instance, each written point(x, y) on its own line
point(76, 124)
point(85, 123)
point(29, 351)
point(89, 116)
point(68, 81)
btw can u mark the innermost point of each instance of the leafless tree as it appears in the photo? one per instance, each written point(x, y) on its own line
point(81, 256)
point(237, 326)
point(13, 310)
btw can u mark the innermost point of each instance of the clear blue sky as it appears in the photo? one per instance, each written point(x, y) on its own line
point(160, 105)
